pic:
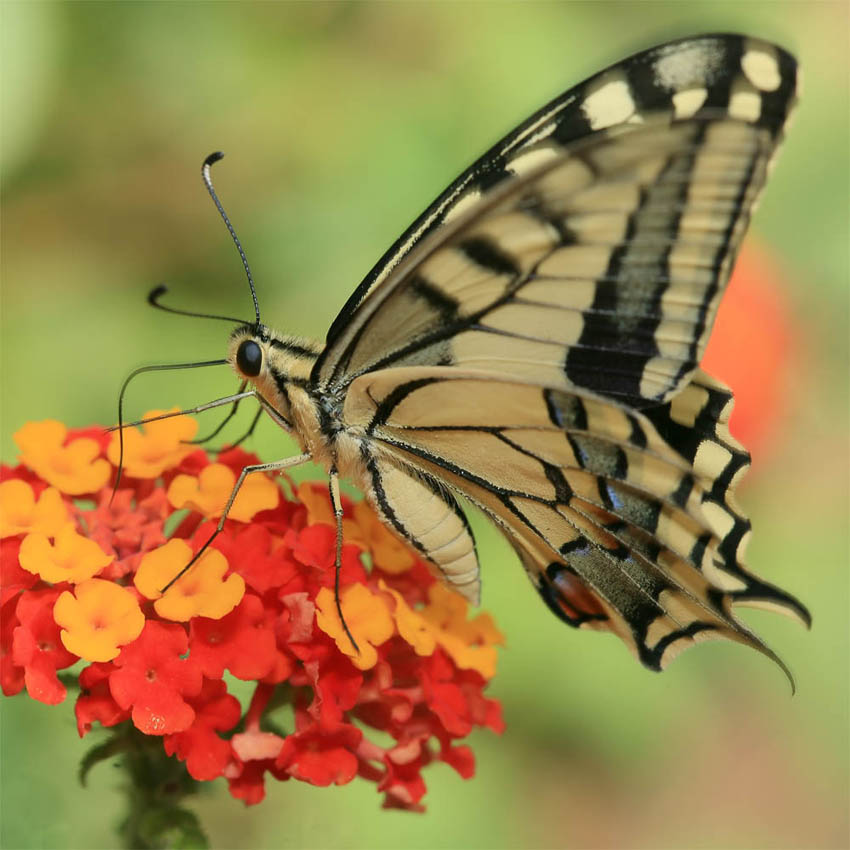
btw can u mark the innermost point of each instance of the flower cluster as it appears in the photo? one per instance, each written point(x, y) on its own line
point(83, 573)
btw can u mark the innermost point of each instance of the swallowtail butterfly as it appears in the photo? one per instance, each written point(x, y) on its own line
point(532, 343)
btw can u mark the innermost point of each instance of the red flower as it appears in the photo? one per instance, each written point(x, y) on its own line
point(320, 755)
point(257, 752)
point(403, 783)
point(95, 704)
point(11, 675)
point(37, 646)
point(336, 689)
point(263, 561)
point(205, 753)
point(13, 578)
point(243, 642)
point(152, 678)
point(315, 546)
point(127, 527)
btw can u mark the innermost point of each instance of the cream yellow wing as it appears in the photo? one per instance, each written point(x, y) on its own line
point(589, 249)
point(625, 521)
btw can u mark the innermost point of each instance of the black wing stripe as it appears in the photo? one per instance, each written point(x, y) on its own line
point(583, 366)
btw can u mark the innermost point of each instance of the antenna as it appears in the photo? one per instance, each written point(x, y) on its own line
point(205, 173)
point(121, 424)
point(158, 291)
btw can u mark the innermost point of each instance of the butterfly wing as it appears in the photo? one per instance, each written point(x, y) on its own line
point(532, 343)
point(589, 249)
point(624, 520)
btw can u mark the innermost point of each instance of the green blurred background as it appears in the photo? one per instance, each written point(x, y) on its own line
point(341, 122)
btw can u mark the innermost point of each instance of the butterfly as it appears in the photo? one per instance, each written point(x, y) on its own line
point(531, 344)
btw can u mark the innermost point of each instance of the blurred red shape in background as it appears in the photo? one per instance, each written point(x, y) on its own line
point(753, 348)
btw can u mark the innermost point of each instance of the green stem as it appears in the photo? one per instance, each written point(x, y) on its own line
point(155, 787)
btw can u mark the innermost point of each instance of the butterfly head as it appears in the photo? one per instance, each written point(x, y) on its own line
point(247, 351)
point(271, 362)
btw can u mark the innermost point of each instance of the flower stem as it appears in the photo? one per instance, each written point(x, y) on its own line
point(156, 786)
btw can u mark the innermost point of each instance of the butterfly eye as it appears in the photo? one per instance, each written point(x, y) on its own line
point(249, 358)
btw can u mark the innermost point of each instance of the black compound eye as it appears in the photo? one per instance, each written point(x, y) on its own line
point(249, 358)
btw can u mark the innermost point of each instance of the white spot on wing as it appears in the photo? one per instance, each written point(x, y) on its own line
point(686, 103)
point(609, 102)
point(719, 520)
point(761, 66)
point(686, 67)
point(711, 459)
point(744, 101)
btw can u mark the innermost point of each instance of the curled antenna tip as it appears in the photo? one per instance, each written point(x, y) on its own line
point(207, 178)
point(156, 293)
point(213, 158)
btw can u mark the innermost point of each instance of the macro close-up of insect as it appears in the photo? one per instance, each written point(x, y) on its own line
point(356, 559)
point(532, 343)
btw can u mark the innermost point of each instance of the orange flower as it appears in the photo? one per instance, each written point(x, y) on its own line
point(412, 626)
point(317, 500)
point(201, 592)
point(20, 513)
point(470, 643)
point(73, 469)
point(209, 492)
point(72, 558)
point(367, 616)
point(157, 446)
point(447, 609)
point(97, 619)
point(388, 552)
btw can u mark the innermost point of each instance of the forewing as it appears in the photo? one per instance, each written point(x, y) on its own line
point(589, 249)
point(625, 522)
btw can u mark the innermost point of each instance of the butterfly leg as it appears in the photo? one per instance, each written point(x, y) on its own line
point(336, 503)
point(233, 408)
point(235, 443)
point(250, 430)
point(274, 466)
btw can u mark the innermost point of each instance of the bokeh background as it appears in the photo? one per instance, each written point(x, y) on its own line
point(341, 121)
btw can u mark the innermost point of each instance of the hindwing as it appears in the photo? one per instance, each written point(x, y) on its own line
point(624, 521)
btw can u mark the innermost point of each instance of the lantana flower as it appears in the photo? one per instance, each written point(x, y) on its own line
point(74, 466)
point(94, 580)
point(71, 557)
point(22, 513)
point(98, 618)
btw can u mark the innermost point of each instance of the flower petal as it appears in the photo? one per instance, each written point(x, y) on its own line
point(367, 616)
point(72, 557)
point(74, 469)
point(97, 619)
